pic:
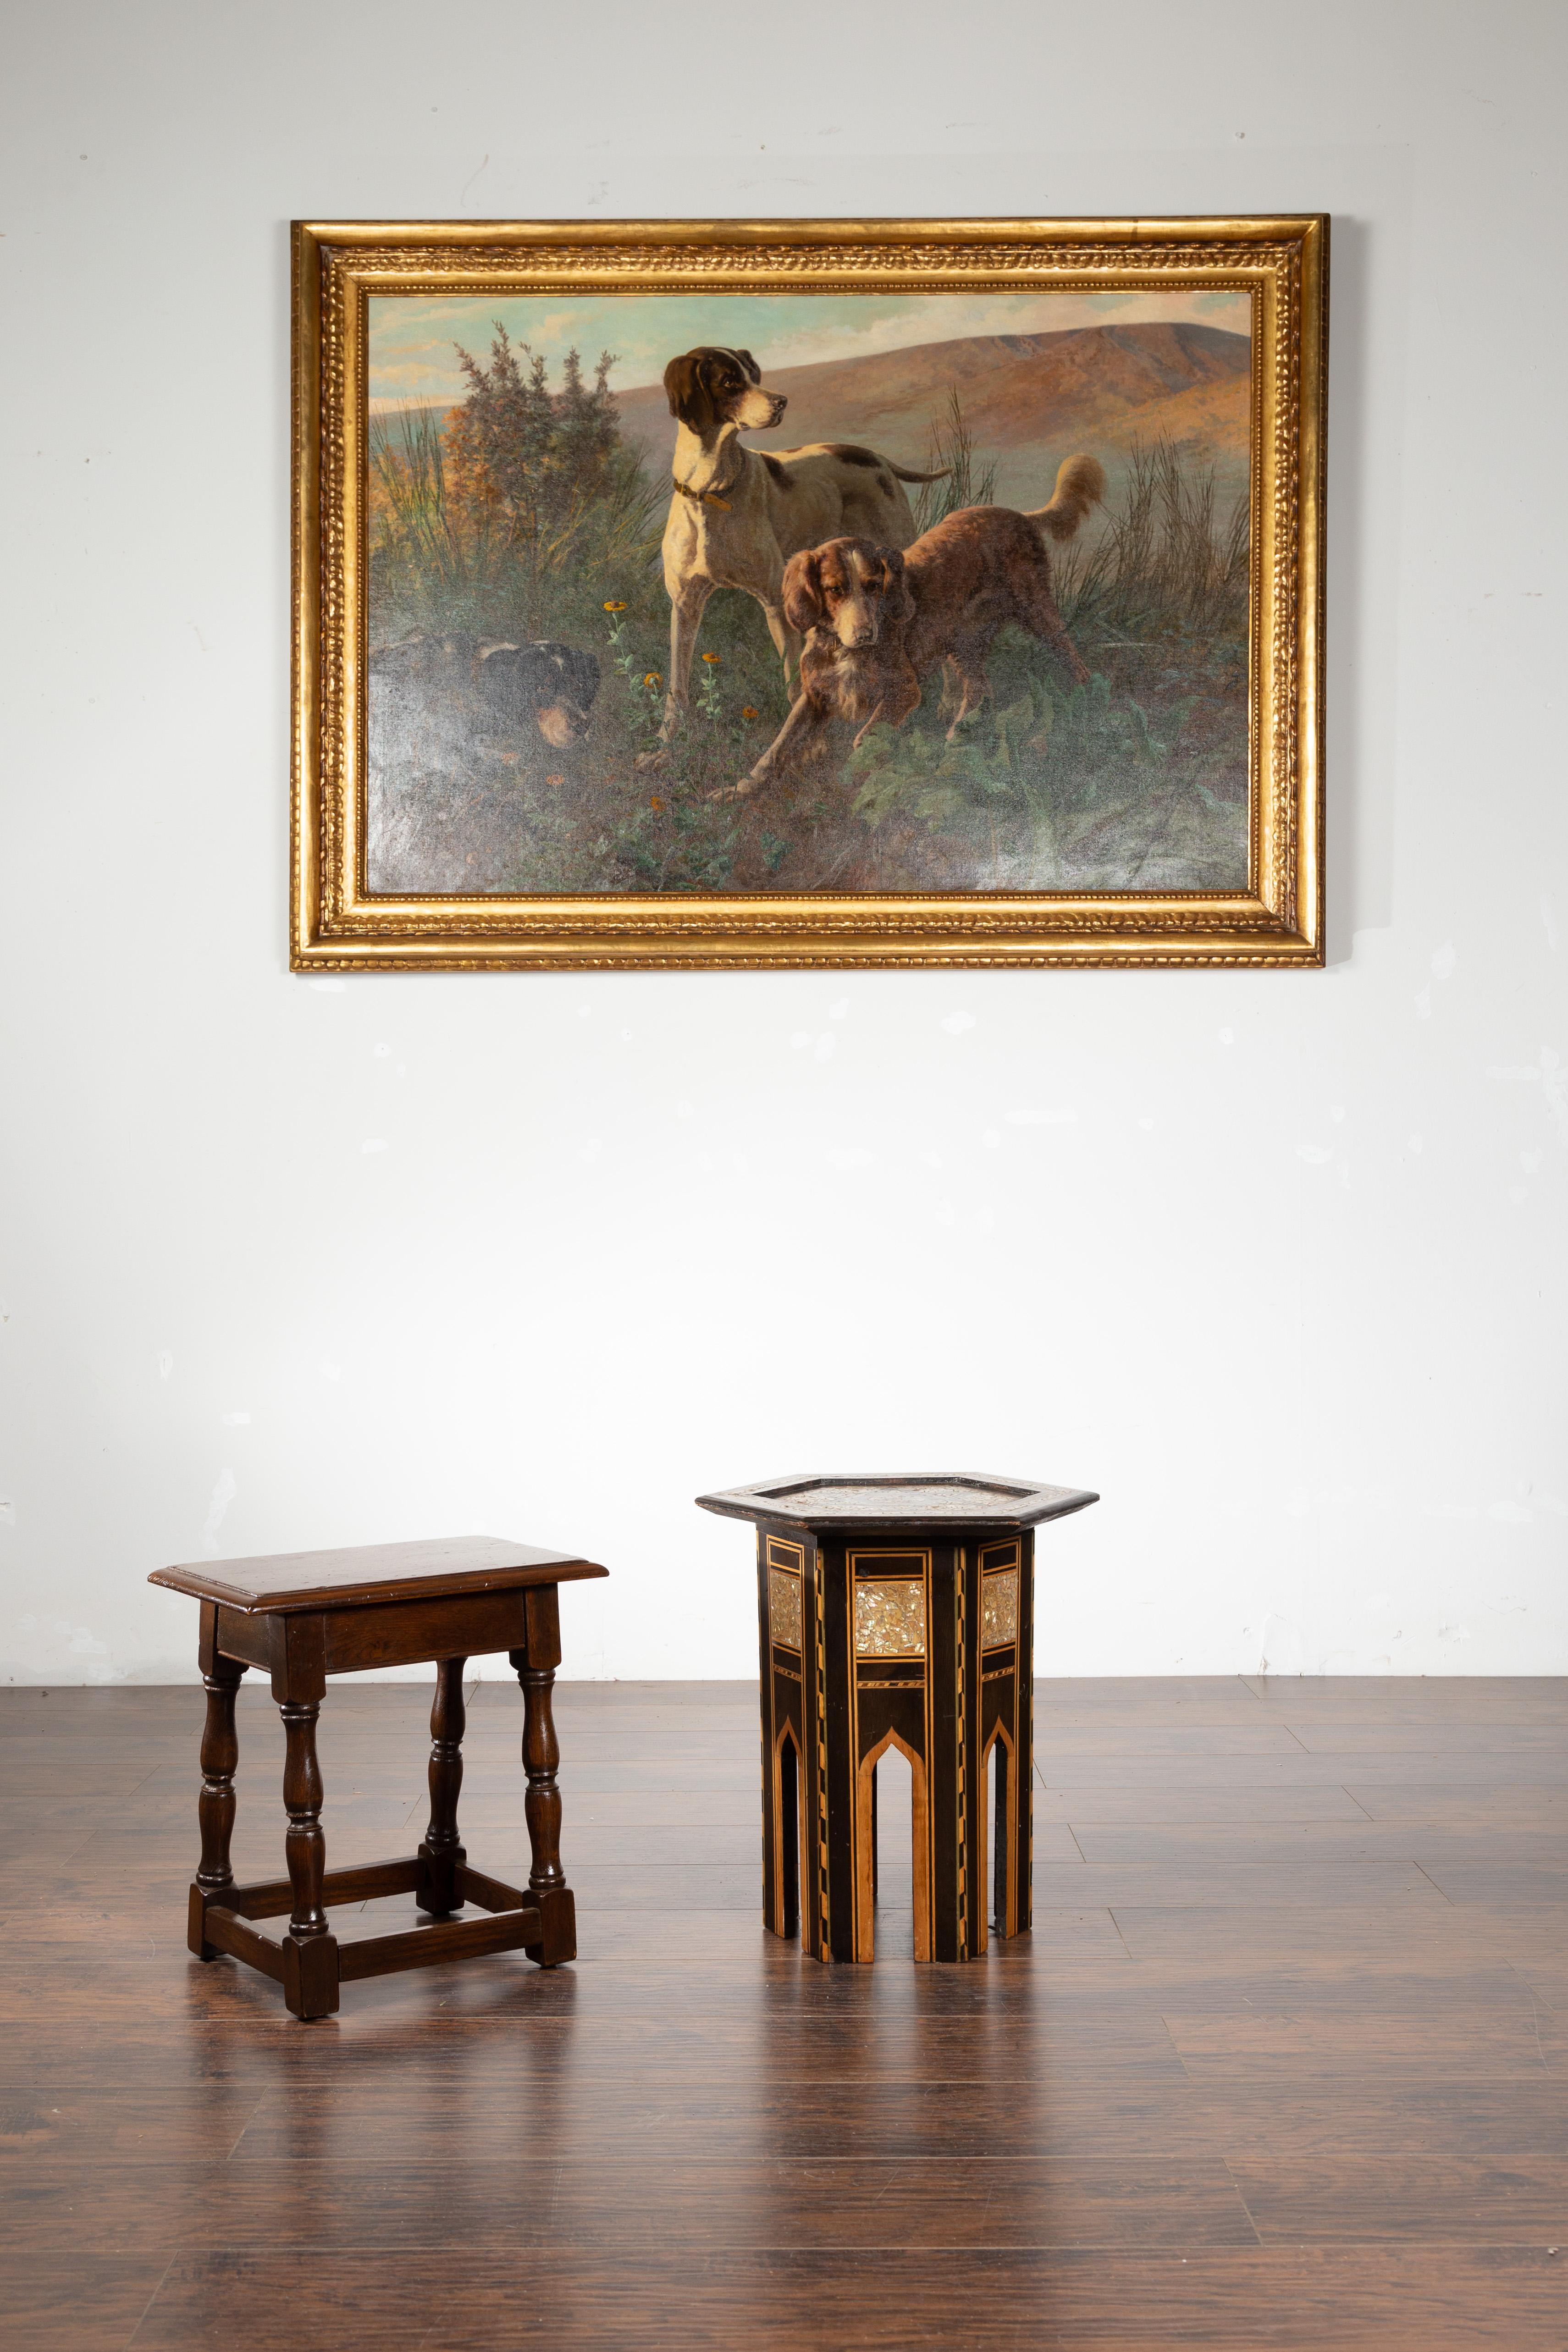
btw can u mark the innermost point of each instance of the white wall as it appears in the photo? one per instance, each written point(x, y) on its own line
point(1288, 1287)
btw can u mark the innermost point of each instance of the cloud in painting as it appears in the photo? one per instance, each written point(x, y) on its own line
point(413, 338)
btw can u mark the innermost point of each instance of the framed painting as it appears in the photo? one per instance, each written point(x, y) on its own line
point(782, 593)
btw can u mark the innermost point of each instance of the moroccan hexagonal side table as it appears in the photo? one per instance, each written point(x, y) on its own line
point(896, 1612)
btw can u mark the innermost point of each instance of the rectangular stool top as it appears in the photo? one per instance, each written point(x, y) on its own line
point(363, 1574)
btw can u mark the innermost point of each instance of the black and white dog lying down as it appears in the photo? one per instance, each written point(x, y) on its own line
point(552, 684)
point(461, 686)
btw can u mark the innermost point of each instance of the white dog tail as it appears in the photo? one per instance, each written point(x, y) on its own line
point(1081, 484)
point(904, 473)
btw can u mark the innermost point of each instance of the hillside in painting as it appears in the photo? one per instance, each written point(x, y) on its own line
point(1028, 401)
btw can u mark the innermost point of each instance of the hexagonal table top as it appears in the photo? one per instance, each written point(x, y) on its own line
point(839, 1499)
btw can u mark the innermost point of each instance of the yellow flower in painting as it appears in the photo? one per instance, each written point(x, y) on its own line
point(710, 658)
point(747, 711)
point(611, 605)
point(656, 806)
point(555, 780)
point(651, 678)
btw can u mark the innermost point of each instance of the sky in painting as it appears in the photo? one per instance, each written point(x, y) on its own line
point(412, 338)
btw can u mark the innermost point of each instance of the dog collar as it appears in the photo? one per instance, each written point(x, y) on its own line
point(700, 498)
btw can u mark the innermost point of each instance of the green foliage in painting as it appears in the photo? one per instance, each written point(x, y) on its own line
point(504, 515)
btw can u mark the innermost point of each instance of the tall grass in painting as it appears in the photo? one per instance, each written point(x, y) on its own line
point(504, 515)
point(1166, 556)
point(967, 482)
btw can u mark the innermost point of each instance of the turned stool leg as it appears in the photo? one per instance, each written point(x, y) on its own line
point(541, 1806)
point(216, 1805)
point(309, 1950)
point(441, 1852)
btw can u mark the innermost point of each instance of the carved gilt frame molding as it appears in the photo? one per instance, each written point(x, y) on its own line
point(337, 924)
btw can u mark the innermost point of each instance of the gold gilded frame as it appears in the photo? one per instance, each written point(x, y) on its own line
point(338, 925)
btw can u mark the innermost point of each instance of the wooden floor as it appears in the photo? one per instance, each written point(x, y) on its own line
point(1285, 2060)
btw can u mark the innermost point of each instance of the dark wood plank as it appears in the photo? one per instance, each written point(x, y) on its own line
point(610, 1699)
point(630, 2208)
point(634, 1800)
point(1438, 1939)
point(1139, 1804)
point(1102, 2112)
point(1007, 2069)
point(1369, 2118)
point(1134, 1696)
point(1357, 1691)
point(1509, 1885)
point(1441, 1767)
point(1058, 1746)
point(109, 2124)
point(91, 2304)
point(1493, 1733)
point(1431, 1845)
point(1509, 2198)
point(1310, 1884)
point(1284, 2060)
point(1496, 1804)
point(1289, 2047)
point(1402, 2299)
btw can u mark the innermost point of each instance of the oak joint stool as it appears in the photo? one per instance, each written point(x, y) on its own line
point(302, 1616)
point(896, 1612)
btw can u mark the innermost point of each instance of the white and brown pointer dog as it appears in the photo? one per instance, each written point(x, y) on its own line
point(738, 515)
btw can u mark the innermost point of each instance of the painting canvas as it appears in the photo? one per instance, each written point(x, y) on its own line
point(743, 593)
point(521, 475)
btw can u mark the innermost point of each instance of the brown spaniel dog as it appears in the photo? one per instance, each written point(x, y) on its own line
point(849, 602)
point(876, 622)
